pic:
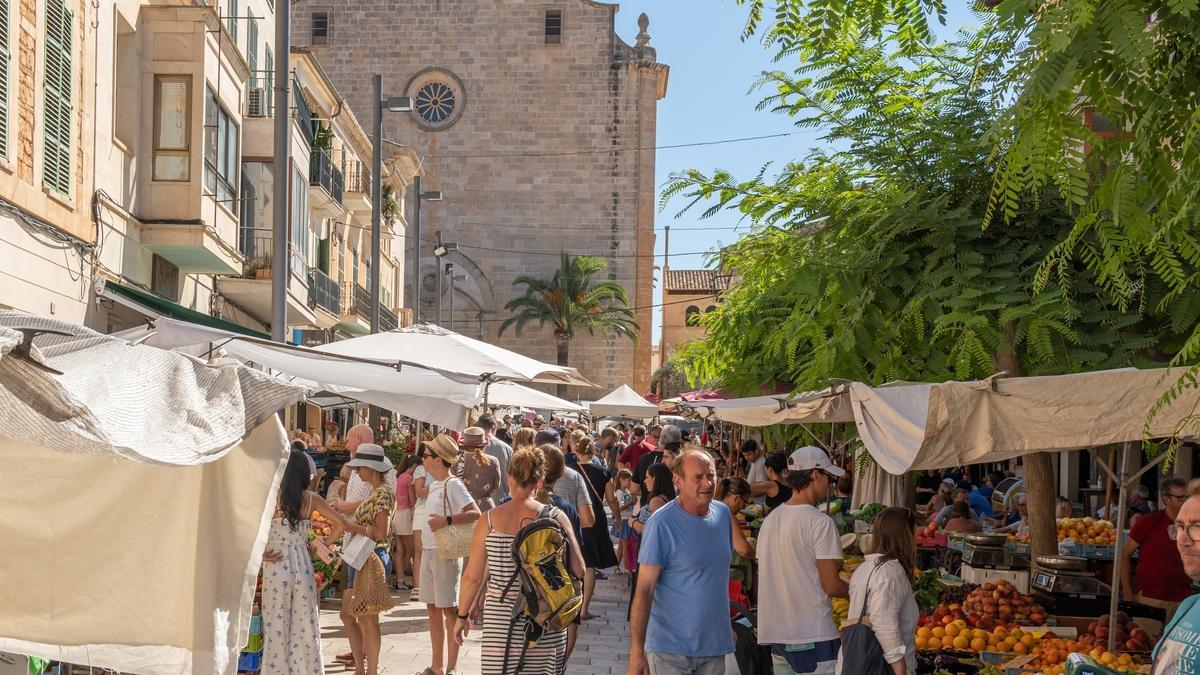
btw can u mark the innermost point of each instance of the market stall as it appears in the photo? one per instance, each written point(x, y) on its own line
point(126, 466)
point(623, 402)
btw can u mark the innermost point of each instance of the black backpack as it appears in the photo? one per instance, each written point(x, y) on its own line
point(861, 651)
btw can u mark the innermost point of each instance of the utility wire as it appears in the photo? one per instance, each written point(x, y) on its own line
point(605, 151)
point(693, 300)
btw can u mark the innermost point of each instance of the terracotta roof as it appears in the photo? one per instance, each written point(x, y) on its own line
point(696, 281)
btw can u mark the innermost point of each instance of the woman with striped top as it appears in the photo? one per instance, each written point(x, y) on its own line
point(491, 556)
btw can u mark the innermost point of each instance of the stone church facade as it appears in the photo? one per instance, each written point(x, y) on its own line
point(536, 121)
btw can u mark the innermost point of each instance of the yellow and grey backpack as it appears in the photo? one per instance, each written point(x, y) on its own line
point(550, 595)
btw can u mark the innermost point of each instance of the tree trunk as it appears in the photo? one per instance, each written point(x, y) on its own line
point(1040, 492)
point(563, 345)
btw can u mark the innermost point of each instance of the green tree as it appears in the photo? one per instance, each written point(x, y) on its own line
point(869, 258)
point(572, 302)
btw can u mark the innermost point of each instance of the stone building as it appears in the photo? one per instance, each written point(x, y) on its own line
point(536, 122)
point(687, 296)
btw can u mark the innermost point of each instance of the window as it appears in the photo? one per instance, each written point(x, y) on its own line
point(172, 127)
point(4, 58)
point(554, 26)
point(270, 88)
point(354, 266)
point(127, 77)
point(233, 20)
point(252, 50)
point(710, 308)
point(320, 28)
point(164, 278)
point(220, 151)
point(299, 223)
point(435, 102)
point(691, 316)
point(57, 101)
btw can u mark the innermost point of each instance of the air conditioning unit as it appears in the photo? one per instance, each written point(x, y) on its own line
point(256, 102)
point(312, 338)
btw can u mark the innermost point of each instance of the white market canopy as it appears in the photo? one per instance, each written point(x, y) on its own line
point(149, 442)
point(623, 402)
point(511, 394)
point(444, 350)
point(440, 398)
point(909, 426)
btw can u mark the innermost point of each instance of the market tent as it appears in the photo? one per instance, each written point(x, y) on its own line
point(824, 406)
point(930, 426)
point(444, 350)
point(437, 397)
point(139, 488)
point(519, 396)
point(623, 402)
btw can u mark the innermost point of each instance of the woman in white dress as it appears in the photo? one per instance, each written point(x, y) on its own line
point(291, 620)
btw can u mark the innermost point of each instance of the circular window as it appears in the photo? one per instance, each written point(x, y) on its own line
point(435, 102)
point(437, 97)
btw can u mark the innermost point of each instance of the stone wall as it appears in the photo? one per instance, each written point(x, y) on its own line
point(542, 157)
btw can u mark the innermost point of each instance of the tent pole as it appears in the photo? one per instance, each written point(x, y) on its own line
point(1122, 500)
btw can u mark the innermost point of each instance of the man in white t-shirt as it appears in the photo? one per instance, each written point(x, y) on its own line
point(756, 473)
point(799, 560)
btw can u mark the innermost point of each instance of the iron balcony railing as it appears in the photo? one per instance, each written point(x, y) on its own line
point(303, 113)
point(322, 171)
point(255, 244)
point(324, 292)
point(358, 177)
point(361, 302)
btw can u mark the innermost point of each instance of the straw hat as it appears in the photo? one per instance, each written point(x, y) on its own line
point(443, 446)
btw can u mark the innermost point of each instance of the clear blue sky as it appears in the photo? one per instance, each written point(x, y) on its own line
point(708, 99)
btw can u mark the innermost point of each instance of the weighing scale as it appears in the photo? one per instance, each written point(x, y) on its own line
point(986, 551)
point(1063, 582)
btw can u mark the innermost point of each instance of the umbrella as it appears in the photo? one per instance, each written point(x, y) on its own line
point(519, 396)
point(444, 350)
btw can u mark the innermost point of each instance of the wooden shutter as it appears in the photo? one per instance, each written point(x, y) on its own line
point(57, 102)
point(4, 59)
point(270, 93)
point(233, 20)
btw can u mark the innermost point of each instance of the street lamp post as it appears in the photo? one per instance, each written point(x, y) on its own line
point(453, 279)
point(394, 104)
point(441, 250)
point(447, 272)
point(427, 196)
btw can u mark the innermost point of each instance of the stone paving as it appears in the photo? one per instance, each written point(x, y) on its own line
point(602, 648)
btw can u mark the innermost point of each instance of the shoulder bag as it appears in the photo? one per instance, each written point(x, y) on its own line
point(861, 652)
point(453, 541)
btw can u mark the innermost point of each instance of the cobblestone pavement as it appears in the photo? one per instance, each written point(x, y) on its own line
point(602, 648)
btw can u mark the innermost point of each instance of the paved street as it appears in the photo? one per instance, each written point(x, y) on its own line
point(602, 648)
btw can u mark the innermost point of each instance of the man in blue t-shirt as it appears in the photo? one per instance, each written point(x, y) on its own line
point(680, 617)
point(1179, 649)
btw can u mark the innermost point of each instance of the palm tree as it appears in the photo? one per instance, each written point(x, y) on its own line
point(570, 303)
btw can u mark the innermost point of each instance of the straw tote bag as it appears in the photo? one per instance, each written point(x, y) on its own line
point(370, 594)
point(453, 541)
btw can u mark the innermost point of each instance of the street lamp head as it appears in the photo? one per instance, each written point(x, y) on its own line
point(442, 249)
point(398, 104)
point(430, 196)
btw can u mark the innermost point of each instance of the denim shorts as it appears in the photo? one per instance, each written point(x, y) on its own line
point(820, 657)
point(384, 557)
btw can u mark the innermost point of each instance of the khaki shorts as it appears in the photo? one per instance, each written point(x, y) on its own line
point(439, 579)
point(1160, 604)
point(402, 522)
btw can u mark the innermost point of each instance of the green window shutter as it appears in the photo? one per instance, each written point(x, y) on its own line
point(270, 68)
point(56, 171)
point(4, 59)
point(233, 20)
point(252, 52)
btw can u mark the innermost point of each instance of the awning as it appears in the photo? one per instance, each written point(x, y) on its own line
point(515, 395)
point(161, 306)
point(824, 406)
point(623, 402)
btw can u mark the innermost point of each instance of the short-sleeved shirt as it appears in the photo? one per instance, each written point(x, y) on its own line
point(380, 500)
point(980, 503)
point(403, 482)
point(633, 453)
point(690, 611)
point(419, 473)
point(571, 488)
point(1160, 572)
point(502, 451)
point(649, 459)
point(482, 480)
point(1179, 649)
point(793, 607)
point(456, 496)
point(943, 516)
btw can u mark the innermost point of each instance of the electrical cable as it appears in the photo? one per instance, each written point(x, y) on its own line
point(605, 151)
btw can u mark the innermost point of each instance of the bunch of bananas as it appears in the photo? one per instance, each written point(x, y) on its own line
point(841, 609)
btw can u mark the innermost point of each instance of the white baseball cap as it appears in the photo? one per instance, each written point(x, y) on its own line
point(811, 457)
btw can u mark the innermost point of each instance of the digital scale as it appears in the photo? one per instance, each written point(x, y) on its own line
point(986, 551)
point(1065, 580)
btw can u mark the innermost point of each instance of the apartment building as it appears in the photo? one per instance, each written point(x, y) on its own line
point(135, 172)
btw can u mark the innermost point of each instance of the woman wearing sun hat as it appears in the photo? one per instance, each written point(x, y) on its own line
point(372, 518)
point(449, 503)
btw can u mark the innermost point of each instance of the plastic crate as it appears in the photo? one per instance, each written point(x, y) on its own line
point(1017, 547)
point(254, 643)
point(1095, 552)
point(256, 624)
point(955, 541)
point(249, 661)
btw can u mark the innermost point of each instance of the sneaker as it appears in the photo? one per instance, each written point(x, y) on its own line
point(415, 595)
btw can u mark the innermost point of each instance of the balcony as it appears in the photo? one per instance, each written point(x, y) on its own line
point(358, 186)
point(324, 296)
point(356, 303)
point(252, 291)
point(325, 185)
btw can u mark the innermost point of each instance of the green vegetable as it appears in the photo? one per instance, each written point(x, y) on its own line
point(927, 590)
point(868, 512)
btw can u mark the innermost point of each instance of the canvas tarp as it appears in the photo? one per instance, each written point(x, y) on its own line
point(511, 394)
point(825, 406)
point(623, 402)
point(930, 426)
point(139, 484)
